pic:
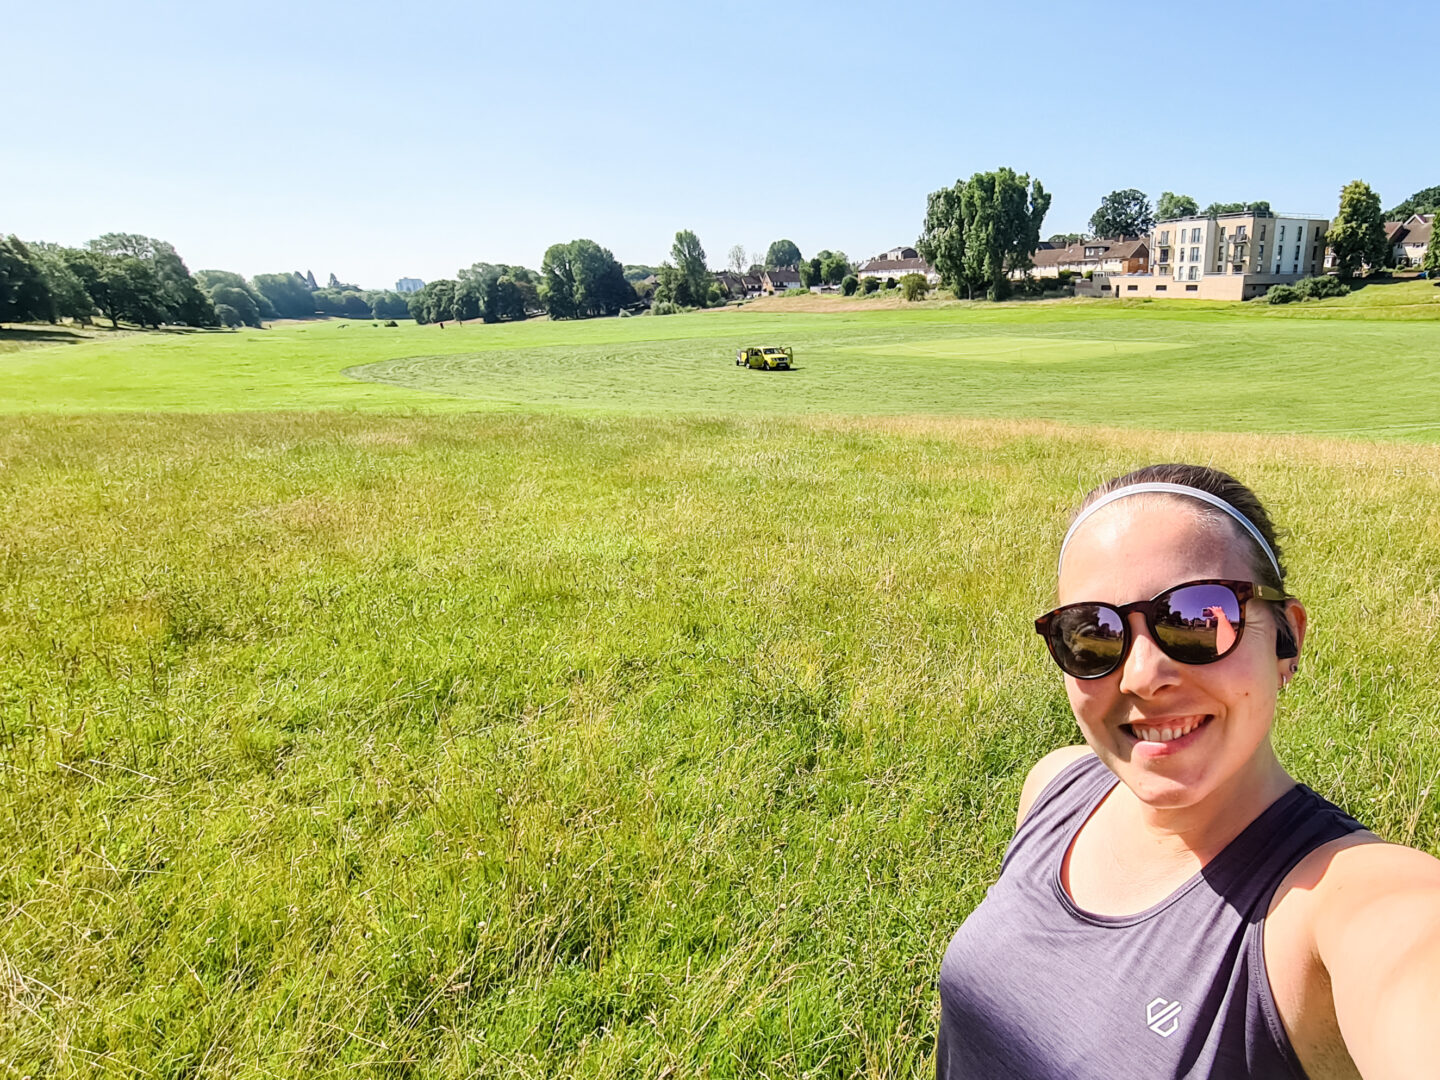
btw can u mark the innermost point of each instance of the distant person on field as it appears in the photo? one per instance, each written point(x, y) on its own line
point(1173, 903)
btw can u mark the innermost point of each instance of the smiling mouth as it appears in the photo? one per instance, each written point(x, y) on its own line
point(1171, 730)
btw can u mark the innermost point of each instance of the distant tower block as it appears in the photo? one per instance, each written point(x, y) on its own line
point(409, 285)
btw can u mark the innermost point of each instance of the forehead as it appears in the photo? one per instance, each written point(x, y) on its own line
point(1134, 548)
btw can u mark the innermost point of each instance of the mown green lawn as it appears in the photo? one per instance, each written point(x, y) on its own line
point(606, 740)
point(1165, 365)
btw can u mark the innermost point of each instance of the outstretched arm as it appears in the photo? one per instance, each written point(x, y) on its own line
point(1377, 930)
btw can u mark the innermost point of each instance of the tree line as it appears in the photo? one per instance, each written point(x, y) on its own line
point(116, 276)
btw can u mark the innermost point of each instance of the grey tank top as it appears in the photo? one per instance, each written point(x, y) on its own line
point(1034, 987)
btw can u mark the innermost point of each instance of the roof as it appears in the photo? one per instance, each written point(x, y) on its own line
point(1075, 253)
point(1416, 229)
point(785, 273)
point(895, 266)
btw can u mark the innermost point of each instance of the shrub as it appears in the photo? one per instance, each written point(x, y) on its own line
point(1319, 288)
point(1283, 294)
point(664, 307)
point(870, 285)
point(392, 322)
point(849, 284)
point(889, 283)
point(797, 292)
point(713, 296)
point(914, 287)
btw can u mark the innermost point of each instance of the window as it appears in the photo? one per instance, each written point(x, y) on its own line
point(1164, 236)
point(1195, 236)
point(1297, 252)
point(1161, 288)
point(1222, 234)
point(1192, 288)
point(1194, 273)
point(1281, 237)
point(1195, 254)
point(1131, 288)
point(1182, 254)
point(1240, 232)
point(1262, 232)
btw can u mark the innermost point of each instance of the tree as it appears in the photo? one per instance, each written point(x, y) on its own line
point(738, 259)
point(1123, 213)
point(1424, 201)
point(942, 238)
point(810, 272)
point(287, 294)
point(1171, 205)
point(1357, 235)
point(386, 304)
point(849, 284)
point(982, 230)
point(782, 253)
point(582, 278)
point(66, 289)
point(246, 311)
point(178, 298)
point(834, 266)
point(435, 303)
point(1065, 239)
point(637, 272)
point(211, 281)
point(695, 277)
point(1215, 209)
point(24, 296)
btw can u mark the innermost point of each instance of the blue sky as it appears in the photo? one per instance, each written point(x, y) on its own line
point(381, 140)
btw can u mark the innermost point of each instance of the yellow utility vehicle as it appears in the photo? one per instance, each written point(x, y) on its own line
point(766, 358)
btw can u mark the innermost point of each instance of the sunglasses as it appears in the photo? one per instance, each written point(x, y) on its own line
point(1197, 622)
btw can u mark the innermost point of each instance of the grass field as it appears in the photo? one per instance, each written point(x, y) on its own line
point(599, 738)
point(1165, 365)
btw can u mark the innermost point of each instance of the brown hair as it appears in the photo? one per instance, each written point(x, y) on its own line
point(1222, 485)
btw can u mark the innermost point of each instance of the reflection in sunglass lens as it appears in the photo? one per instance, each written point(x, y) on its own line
point(1197, 624)
point(1088, 639)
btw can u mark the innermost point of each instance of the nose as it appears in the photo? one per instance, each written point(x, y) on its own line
point(1146, 670)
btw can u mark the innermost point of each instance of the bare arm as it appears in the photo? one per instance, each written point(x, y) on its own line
point(1377, 931)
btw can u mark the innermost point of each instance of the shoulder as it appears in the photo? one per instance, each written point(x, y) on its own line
point(1364, 926)
point(1358, 876)
point(1045, 770)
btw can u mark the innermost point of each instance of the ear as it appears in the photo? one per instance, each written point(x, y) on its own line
point(1290, 621)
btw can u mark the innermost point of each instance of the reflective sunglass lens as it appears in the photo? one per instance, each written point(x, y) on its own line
point(1197, 624)
point(1089, 639)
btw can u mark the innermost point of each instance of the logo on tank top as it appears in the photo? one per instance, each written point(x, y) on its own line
point(1162, 1017)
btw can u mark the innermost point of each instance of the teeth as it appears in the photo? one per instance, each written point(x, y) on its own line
point(1166, 734)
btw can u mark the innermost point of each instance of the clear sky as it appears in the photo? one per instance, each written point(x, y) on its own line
point(386, 140)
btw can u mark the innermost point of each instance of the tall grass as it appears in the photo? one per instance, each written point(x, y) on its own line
point(517, 745)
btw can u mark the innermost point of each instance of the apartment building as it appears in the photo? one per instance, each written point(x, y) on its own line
point(1228, 257)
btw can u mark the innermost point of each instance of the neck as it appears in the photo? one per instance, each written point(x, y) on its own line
point(1205, 828)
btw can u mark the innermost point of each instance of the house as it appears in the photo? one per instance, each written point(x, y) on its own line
point(896, 263)
point(779, 280)
point(409, 285)
point(1227, 257)
point(1410, 238)
point(1128, 255)
point(739, 286)
point(1408, 241)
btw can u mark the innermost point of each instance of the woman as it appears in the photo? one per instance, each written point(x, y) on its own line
point(1173, 904)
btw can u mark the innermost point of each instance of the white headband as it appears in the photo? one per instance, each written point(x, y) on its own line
point(1175, 489)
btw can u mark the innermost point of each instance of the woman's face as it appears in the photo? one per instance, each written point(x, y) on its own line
point(1174, 733)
